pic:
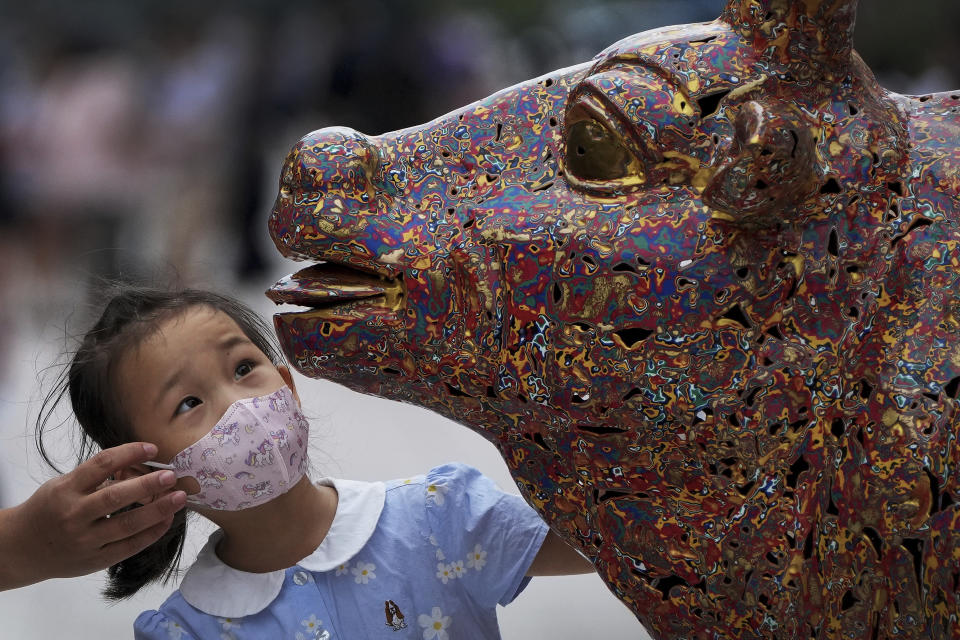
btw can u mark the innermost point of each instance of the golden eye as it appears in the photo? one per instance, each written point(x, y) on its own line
point(595, 153)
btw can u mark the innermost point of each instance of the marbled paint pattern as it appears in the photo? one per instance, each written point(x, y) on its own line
point(701, 292)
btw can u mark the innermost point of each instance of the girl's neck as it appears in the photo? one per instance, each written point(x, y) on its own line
point(279, 533)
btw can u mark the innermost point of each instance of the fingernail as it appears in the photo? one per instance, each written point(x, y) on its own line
point(167, 477)
point(178, 499)
point(150, 449)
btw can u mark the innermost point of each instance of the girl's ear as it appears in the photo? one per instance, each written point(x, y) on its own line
point(288, 379)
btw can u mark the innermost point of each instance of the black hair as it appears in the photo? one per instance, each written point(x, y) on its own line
point(130, 316)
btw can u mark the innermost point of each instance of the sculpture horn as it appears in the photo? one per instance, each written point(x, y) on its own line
point(797, 31)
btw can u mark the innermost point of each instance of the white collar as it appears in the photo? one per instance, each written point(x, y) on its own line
point(218, 590)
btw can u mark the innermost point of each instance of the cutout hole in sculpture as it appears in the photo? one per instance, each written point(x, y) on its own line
point(837, 428)
point(798, 467)
point(633, 336)
point(833, 243)
point(952, 387)
point(632, 393)
point(736, 314)
point(914, 547)
point(709, 104)
point(916, 224)
point(454, 391)
point(830, 186)
point(664, 585)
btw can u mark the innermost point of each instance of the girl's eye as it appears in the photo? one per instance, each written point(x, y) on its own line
point(188, 403)
point(243, 369)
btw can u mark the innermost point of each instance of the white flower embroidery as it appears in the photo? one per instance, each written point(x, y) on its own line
point(457, 568)
point(476, 558)
point(227, 636)
point(435, 492)
point(312, 625)
point(435, 625)
point(227, 624)
point(174, 630)
point(445, 573)
point(363, 572)
point(342, 569)
point(433, 541)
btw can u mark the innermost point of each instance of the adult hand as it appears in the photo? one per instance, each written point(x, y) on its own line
point(65, 528)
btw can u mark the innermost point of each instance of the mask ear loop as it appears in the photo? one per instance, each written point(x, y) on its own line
point(159, 465)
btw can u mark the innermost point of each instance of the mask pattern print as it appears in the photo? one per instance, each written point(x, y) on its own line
point(256, 452)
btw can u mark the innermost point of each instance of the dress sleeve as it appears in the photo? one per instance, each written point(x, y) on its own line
point(154, 625)
point(486, 539)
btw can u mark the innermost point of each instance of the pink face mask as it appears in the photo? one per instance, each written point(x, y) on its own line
point(256, 452)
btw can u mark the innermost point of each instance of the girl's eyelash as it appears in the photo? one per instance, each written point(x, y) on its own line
point(177, 411)
point(249, 363)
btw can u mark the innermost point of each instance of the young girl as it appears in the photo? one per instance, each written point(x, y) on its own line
point(196, 374)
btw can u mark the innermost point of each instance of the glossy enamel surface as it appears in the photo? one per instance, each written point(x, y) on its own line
point(702, 293)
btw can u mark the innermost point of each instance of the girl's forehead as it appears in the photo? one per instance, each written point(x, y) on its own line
point(190, 332)
point(198, 318)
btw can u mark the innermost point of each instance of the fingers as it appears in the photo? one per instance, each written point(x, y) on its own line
point(138, 528)
point(122, 549)
point(117, 495)
point(91, 473)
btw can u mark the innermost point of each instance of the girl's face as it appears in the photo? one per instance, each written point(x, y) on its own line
point(181, 379)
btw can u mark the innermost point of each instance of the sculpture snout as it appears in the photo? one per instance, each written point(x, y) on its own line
point(333, 161)
point(332, 173)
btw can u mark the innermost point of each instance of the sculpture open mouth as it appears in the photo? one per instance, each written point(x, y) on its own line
point(335, 290)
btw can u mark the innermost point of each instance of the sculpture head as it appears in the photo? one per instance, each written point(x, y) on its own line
point(701, 292)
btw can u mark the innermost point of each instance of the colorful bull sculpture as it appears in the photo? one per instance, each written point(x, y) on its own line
point(703, 294)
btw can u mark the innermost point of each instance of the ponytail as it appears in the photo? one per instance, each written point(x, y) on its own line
point(157, 563)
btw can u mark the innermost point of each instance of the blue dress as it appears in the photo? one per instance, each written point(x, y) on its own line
point(427, 558)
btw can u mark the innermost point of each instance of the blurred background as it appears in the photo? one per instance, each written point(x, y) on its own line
point(143, 139)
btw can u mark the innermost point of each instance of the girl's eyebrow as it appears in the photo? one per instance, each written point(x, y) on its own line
point(230, 341)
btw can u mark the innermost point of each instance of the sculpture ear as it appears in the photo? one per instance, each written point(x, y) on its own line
point(770, 167)
point(816, 33)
